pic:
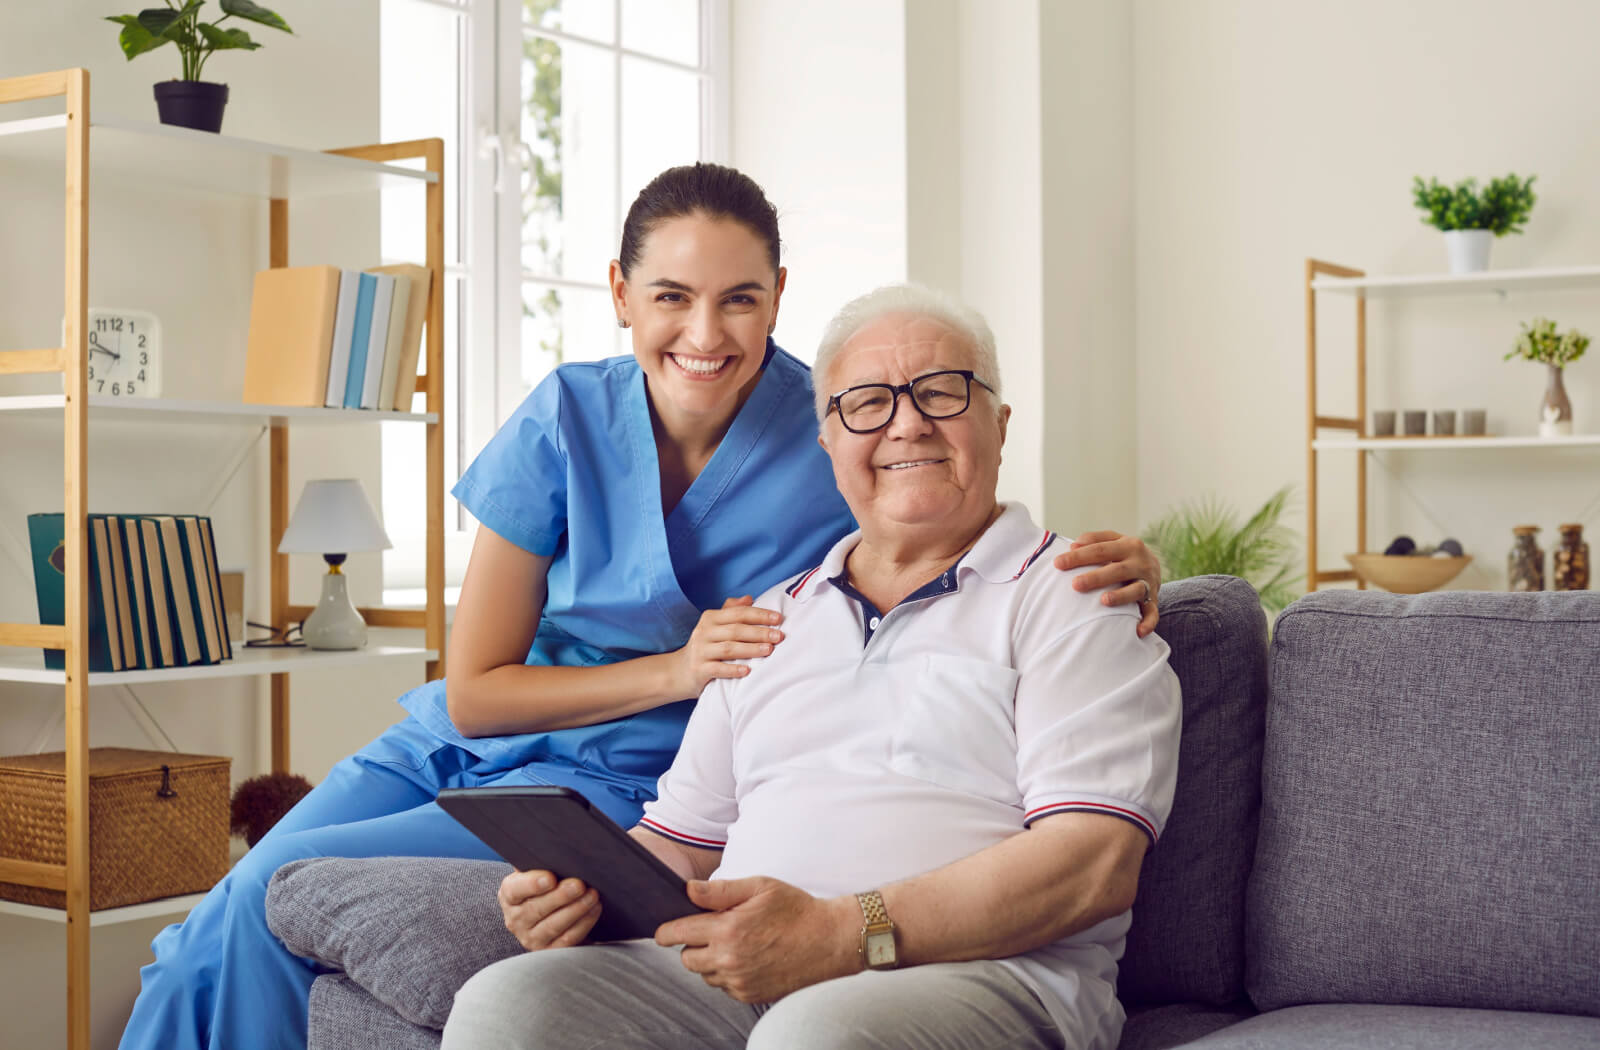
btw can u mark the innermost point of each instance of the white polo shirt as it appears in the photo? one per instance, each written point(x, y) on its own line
point(871, 747)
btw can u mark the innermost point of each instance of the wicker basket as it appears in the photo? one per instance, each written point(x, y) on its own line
point(145, 841)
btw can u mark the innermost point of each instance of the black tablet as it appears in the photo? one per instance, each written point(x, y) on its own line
point(556, 829)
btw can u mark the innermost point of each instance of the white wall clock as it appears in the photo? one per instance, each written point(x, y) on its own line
point(124, 353)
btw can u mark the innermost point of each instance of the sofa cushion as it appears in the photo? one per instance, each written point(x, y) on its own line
point(1349, 1027)
point(1430, 826)
point(345, 1016)
point(1176, 1024)
point(1187, 939)
point(410, 930)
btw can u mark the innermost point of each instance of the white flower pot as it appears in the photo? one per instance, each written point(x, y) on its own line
point(1468, 250)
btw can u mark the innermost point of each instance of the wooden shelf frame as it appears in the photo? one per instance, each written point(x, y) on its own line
point(1316, 423)
point(71, 361)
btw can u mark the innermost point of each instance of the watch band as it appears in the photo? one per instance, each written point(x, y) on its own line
point(872, 908)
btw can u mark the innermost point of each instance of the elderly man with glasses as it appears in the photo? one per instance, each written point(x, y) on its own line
point(919, 822)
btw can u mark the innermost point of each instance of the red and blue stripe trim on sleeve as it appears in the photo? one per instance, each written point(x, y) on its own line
point(679, 836)
point(1129, 815)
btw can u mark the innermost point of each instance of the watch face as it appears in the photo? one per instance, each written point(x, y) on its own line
point(880, 949)
point(124, 353)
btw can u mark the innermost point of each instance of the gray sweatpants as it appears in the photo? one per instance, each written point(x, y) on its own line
point(636, 995)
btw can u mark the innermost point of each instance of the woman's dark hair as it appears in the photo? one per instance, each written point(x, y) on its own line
point(706, 189)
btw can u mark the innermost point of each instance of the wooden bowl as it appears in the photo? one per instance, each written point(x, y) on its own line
point(1407, 573)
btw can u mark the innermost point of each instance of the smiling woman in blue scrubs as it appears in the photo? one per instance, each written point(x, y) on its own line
point(625, 508)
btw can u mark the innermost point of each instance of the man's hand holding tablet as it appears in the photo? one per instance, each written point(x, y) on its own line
point(579, 876)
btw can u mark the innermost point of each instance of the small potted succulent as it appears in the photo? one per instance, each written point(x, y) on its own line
point(1540, 342)
point(191, 102)
point(1470, 219)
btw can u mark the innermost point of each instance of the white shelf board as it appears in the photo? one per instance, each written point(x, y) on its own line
point(1430, 444)
point(102, 406)
point(27, 665)
point(200, 160)
point(1500, 281)
point(169, 906)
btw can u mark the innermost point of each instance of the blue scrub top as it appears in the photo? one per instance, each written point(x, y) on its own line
point(573, 474)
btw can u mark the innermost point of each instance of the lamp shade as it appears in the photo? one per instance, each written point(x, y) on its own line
point(333, 517)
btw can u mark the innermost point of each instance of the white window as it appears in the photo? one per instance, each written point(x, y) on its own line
point(555, 113)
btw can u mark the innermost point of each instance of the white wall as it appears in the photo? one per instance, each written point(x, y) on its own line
point(1269, 132)
point(818, 119)
point(190, 259)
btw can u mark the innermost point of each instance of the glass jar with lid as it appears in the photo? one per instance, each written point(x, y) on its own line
point(1525, 563)
point(1569, 569)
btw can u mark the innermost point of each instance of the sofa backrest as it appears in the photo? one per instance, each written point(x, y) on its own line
point(1187, 939)
point(1430, 824)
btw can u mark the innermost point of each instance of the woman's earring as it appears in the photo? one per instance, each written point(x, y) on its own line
point(621, 323)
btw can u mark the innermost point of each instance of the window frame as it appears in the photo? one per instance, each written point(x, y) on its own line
point(489, 275)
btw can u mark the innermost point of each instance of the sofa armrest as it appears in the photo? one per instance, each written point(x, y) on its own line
point(409, 930)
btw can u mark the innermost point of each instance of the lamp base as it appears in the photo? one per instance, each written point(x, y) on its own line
point(334, 623)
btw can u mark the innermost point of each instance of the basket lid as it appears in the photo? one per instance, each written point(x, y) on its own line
point(108, 762)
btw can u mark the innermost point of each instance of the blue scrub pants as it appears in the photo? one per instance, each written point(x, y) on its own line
point(221, 979)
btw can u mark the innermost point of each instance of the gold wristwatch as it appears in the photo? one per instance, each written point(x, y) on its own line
point(877, 936)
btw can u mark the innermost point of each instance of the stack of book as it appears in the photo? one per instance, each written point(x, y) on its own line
point(155, 594)
point(322, 336)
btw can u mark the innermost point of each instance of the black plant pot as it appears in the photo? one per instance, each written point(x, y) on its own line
point(194, 104)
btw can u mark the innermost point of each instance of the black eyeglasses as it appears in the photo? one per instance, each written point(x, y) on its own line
point(937, 395)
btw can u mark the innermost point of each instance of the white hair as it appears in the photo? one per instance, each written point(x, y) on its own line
point(918, 301)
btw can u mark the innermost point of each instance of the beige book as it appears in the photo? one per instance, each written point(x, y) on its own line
point(156, 578)
point(205, 610)
point(392, 344)
point(214, 575)
point(119, 586)
point(100, 549)
point(179, 591)
point(291, 335)
point(141, 610)
point(397, 396)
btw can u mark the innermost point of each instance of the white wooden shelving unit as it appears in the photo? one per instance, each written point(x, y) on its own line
point(1326, 278)
point(91, 152)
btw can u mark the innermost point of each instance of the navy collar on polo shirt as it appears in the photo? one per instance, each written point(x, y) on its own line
point(872, 617)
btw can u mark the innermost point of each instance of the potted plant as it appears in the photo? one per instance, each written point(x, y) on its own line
point(1471, 220)
point(1541, 342)
point(191, 102)
point(1204, 537)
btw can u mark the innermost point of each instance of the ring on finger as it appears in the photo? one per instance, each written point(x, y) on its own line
point(1146, 597)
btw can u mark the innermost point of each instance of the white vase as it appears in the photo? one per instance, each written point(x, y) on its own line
point(1468, 250)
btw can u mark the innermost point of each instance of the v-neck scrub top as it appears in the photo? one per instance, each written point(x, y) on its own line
point(574, 475)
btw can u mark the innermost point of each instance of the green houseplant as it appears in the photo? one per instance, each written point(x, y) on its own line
point(191, 102)
point(1205, 536)
point(1471, 219)
point(1542, 344)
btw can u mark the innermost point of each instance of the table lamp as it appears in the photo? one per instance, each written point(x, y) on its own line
point(334, 516)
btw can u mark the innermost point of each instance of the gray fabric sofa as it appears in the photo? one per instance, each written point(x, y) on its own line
point(1388, 835)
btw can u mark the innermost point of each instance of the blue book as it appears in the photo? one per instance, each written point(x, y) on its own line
point(360, 335)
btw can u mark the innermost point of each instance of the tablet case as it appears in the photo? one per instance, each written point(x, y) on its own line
point(557, 830)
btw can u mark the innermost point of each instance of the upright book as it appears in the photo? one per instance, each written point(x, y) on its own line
point(292, 315)
point(378, 337)
point(179, 593)
point(400, 369)
point(149, 649)
point(361, 332)
point(155, 589)
point(47, 543)
point(344, 321)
